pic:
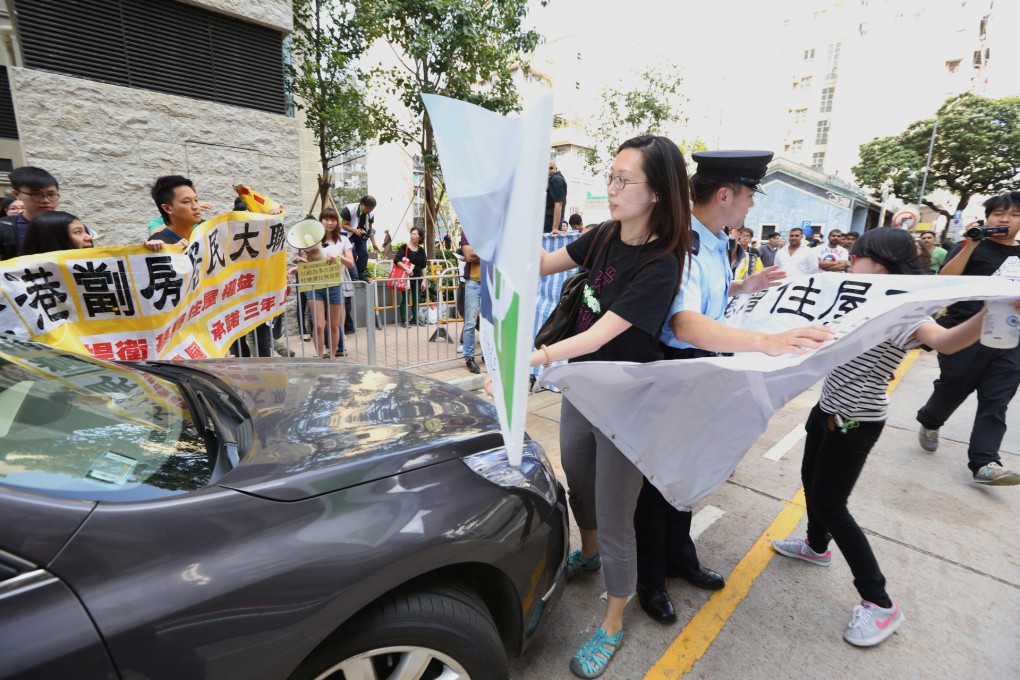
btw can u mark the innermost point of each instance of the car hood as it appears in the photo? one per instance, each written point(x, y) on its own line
point(320, 426)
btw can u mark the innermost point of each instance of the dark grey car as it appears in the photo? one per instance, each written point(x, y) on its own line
point(263, 519)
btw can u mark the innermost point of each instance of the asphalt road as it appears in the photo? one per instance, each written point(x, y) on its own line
point(946, 545)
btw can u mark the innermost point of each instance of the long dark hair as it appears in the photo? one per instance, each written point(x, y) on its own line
point(49, 231)
point(330, 213)
point(892, 248)
point(666, 172)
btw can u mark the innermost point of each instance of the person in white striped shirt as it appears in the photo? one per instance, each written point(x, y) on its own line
point(845, 425)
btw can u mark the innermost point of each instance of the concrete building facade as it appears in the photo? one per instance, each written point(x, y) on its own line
point(106, 141)
point(797, 196)
point(859, 69)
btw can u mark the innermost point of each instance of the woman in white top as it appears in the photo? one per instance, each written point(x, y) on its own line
point(843, 428)
point(330, 300)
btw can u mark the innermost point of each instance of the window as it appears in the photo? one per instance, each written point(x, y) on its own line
point(809, 54)
point(953, 65)
point(799, 115)
point(165, 46)
point(832, 63)
point(8, 124)
point(796, 146)
point(822, 132)
point(805, 83)
point(817, 160)
point(826, 100)
point(977, 58)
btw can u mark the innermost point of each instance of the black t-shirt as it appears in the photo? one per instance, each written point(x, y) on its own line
point(417, 257)
point(641, 296)
point(988, 259)
point(555, 193)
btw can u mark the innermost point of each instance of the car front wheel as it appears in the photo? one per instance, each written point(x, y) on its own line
point(432, 633)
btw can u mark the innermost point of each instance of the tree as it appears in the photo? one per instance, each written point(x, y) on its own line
point(647, 109)
point(976, 151)
point(464, 49)
point(328, 38)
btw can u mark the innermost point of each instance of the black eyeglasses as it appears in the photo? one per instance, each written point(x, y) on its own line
point(620, 183)
point(48, 196)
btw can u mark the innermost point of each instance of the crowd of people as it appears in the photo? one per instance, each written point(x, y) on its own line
point(660, 276)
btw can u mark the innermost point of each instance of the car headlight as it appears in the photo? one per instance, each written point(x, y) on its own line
point(534, 475)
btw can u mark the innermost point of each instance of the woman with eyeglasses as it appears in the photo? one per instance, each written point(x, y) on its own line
point(11, 206)
point(55, 230)
point(843, 428)
point(634, 266)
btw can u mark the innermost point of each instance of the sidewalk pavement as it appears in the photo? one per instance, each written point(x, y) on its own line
point(945, 544)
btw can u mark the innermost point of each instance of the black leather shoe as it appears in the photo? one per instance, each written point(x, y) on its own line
point(698, 576)
point(656, 603)
point(472, 366)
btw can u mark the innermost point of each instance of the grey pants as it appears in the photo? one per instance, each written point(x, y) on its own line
point(603, 490)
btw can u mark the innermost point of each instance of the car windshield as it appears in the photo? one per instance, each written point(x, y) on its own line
point(74, 427)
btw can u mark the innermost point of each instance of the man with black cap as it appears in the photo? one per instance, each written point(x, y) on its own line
point(723, 191)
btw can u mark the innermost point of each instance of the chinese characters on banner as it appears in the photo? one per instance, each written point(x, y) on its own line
point(665, 416)
point(127, 303)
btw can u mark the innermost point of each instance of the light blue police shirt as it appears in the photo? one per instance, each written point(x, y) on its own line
point(706, 283)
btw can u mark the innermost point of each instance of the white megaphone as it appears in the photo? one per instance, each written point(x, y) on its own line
point(307, 235)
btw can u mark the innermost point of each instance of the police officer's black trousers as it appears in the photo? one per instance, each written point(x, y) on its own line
point(994, 374)
point(663, 538)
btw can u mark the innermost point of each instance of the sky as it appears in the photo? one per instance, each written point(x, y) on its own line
point(724, 55)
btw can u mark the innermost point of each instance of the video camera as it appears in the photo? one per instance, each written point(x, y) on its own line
point(981, 231)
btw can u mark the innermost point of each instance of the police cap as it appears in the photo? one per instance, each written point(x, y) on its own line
point(746, 167)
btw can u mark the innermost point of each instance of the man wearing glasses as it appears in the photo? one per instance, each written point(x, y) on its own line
point(39, 191)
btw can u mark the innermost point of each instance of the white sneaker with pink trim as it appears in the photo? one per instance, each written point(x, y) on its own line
point(872, 624)
point(798, 548)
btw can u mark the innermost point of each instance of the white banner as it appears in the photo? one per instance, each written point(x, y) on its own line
point(673, 418)
point(495, 172)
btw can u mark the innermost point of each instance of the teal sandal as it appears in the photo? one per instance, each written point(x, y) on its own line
point(592, 659)
point(576, 563)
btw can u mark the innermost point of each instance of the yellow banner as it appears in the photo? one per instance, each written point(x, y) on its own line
point(128, 303)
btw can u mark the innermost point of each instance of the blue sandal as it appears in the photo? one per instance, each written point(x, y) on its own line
point(576, 563)
point(592, 659)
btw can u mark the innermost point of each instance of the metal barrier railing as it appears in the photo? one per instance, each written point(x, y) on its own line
point(375, 312)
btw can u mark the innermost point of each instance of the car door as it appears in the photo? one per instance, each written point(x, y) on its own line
point(44, 631)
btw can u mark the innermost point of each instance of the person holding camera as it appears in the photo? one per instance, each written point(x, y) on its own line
point(993, 373)
point(359, 223)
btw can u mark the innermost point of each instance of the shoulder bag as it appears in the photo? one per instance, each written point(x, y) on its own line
point(398, 275)
point(562, 322)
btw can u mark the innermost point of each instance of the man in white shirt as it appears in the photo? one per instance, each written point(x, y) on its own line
point(796, 258)
point(834, 257)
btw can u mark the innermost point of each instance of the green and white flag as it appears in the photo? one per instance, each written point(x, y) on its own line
point(495, 172)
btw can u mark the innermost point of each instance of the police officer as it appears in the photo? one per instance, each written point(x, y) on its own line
point(723, 191)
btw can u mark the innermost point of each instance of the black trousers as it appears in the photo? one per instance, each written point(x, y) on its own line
point(663, 538)
point(994, 374)
point(663, 533)
point(832, 463)
point(263, 343)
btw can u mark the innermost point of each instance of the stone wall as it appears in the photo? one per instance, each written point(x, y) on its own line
point(107, 143)
point(273, 13)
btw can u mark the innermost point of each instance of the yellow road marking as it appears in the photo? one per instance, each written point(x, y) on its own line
point(708, 622)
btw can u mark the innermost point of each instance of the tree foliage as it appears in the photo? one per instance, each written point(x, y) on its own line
point(646, 109)
point(976, 151)
point(328, 38)
point(464, 49)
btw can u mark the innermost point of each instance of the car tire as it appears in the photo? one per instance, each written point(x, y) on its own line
point(449, 628)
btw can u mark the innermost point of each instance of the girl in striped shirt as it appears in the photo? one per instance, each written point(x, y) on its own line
point(843, 428)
